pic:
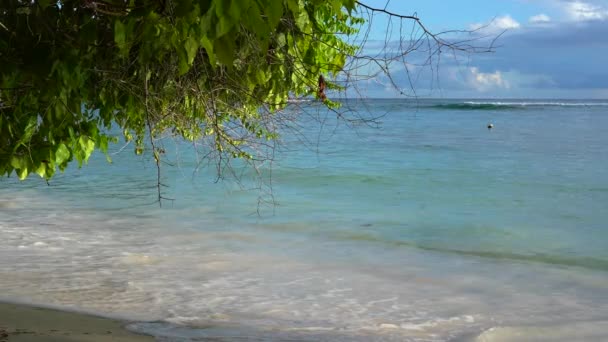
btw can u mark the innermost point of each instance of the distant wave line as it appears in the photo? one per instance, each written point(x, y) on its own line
point(540, 104)
point(472, 105)
point(586, 262)
point(475, 106)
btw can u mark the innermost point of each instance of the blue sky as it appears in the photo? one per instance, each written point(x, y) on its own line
point(550, 49)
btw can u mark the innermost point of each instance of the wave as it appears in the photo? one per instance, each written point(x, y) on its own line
point(473, 105)
point(586, 262)
point(543, 258)
point(542, 104)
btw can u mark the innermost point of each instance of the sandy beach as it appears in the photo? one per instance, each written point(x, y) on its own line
point(22, 323)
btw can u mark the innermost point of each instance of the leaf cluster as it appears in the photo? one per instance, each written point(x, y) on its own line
point(73, 71)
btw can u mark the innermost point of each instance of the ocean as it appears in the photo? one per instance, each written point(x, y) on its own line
point(413, 222)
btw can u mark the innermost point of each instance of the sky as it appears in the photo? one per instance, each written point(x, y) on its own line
point(548, 49)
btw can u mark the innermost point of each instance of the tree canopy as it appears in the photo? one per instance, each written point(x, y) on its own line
point(71, 71)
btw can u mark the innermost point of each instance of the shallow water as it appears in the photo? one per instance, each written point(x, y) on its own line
point(428, 228)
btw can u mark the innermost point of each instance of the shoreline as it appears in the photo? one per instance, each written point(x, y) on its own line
point(27, 323)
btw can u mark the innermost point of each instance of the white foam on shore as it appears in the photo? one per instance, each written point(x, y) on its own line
point(585, 331)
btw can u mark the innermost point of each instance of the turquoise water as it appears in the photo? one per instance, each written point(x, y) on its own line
point(421, 225)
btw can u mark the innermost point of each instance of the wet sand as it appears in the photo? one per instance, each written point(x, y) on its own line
point(22, 323)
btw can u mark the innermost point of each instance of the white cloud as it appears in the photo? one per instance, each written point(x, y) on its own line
point(583, 11)
point(499, 24)
point(486, 81)
point(506, 22)
point(539, 19)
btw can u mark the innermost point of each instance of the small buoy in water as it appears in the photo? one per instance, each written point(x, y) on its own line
point(490, 126)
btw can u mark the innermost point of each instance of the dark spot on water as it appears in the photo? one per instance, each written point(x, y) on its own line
point(570, 217)
point(367, 224)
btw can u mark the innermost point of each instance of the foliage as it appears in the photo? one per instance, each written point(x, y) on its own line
point(73, 70)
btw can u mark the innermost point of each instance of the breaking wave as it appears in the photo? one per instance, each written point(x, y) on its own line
point(473, 105)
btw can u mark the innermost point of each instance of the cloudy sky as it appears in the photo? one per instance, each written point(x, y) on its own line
point(549, 49)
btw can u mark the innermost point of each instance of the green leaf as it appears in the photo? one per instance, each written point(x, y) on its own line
point(22, 173)
point(30, 128)
point(293, 6)
point(62, 154)
point(261, 77)
point(183, 61)
point(274, 12)
point(256, 23)
point(18, 162)
point(337, 5)
point(302, 21)
point(237, 7)
point(41, 170)
point(281, 40)
point(103, 144)
point(221, 7)
point(206, 43)
point(119, 33)
point(223, 26)
point(191, 46)
point(88, 146)
point(350, 5)
point(224, 50)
